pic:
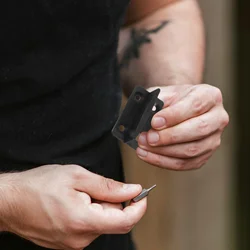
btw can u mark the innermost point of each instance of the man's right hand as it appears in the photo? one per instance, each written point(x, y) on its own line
point(52, 206)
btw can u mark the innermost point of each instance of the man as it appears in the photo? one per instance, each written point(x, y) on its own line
point(61, 185)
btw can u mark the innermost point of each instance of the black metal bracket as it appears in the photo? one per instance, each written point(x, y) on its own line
point(137, 115)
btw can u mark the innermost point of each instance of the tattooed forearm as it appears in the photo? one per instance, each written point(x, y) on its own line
point(138, 38)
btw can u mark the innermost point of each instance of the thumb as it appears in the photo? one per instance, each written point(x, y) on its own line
point(105, 189)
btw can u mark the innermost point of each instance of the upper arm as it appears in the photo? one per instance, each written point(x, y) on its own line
point(141, 8)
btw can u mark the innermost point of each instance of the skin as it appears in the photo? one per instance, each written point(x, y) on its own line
point(189, 128)
point(52, 207)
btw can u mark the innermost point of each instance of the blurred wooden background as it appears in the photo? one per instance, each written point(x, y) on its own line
point(195, 210)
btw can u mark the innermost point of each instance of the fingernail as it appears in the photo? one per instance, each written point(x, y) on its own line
point(142, 140)
point(142, 152)
point(131, 187)
point(153, 137)
point(158, 122)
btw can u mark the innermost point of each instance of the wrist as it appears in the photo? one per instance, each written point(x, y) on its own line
point(8, 200)
point(159, 79)
point(170, 79)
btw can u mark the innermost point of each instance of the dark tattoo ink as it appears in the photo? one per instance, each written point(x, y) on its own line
point(138, 38)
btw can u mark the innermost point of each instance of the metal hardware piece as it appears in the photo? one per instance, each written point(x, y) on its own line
point(143, 194)
point(137, 115)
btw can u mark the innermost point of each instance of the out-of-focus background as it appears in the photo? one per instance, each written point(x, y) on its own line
point(206, 209)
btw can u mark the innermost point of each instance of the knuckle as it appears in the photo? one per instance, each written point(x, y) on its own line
point(201, 88)
point(226, 119)
point(158, 161)
point(180, 164)
point(217, 95)
point(76, 171)
point(173, 138)
point(198, 105)
point(192, 151)
point(108, 184)
point(203, 127)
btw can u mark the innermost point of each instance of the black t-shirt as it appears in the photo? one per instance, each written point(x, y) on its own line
point(59, 90)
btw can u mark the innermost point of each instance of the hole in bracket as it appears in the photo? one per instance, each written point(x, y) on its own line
point(138, 97)
point(154, 108)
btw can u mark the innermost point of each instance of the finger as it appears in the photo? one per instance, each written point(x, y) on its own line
point(104, 189)
point(172, 94)
point(190, 130)
point(85, 199)
point(107, 205)
point(115, 221)
point(197, 102)
point(184, 150)
point(175, 163)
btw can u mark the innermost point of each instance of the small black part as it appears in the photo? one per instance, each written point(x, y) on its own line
point(137, 115)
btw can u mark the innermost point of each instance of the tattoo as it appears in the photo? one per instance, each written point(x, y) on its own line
point(138, 38)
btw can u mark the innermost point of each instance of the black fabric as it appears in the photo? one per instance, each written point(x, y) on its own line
point(105, 242)
point(59, 90)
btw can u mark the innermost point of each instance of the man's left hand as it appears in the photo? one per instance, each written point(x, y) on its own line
point(187, 131)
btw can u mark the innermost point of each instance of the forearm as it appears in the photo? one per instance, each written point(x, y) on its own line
point(7, 196)
point(164, 48)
